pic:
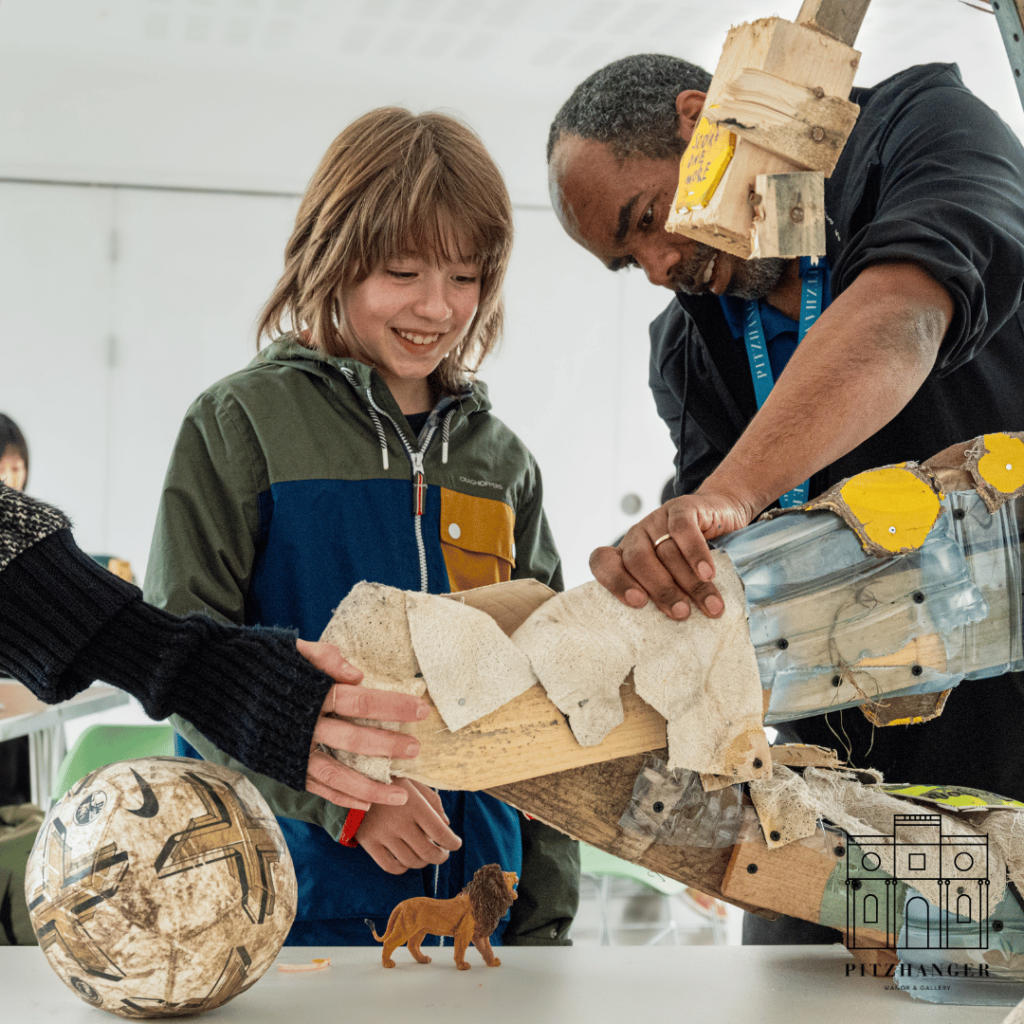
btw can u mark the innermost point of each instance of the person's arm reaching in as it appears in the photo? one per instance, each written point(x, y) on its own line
point(859, 365)
point(259, 694)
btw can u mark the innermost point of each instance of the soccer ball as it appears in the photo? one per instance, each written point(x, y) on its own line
point(160, 887)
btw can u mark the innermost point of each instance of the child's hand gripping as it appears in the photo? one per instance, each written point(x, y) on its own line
point(411, 836)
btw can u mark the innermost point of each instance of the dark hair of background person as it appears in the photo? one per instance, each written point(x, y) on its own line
point(630, 104)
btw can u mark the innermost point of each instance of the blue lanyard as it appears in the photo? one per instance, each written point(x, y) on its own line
point(757, 353)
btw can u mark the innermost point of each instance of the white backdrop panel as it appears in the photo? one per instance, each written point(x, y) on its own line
point(571, 380)
point(193, 272)
point(55, 289)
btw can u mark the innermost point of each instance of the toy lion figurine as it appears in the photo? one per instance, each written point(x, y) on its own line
point(469, 917)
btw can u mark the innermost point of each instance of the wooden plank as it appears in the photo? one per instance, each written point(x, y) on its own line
point(798, 123)
point(530, 738)
point(804, 755)
point(790, 880)
point(588, 802)
point(789, 214)
point(838, 18)
point(525, 738)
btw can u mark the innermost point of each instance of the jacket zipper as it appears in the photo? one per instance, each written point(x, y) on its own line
point(419, 483)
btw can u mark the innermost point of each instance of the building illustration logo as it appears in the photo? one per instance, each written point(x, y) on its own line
point(917, 854)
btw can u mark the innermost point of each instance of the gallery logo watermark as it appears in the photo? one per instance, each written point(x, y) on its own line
point(947, 907)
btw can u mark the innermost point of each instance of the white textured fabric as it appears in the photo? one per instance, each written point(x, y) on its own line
point(700, 673)
point(470, 666)
point(869, 811)
point(371, 628)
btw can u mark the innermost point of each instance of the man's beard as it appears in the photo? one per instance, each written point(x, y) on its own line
point(751, 279)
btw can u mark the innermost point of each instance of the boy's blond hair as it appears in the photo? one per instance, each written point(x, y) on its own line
point(392, 182)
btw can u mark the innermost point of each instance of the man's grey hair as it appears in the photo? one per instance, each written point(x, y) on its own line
point(630, 104)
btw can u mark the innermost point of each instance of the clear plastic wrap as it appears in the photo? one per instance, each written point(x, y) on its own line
point(834, 626)
point(671, 807)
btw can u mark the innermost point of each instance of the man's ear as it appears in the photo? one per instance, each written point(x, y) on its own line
point(689, 104)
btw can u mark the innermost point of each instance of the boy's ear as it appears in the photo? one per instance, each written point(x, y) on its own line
point(689, 104)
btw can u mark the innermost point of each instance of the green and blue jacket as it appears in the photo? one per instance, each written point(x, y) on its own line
point(291, 481)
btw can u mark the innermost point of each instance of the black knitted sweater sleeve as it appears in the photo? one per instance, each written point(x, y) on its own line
point(65, 621)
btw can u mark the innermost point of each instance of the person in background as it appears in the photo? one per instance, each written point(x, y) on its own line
point(358, 446)
point(15, 767)
point(13, 454)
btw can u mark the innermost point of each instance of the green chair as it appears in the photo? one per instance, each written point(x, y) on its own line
point(601, 868)
point(100, 745)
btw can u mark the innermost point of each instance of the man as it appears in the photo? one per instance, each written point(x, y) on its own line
point(921, 347)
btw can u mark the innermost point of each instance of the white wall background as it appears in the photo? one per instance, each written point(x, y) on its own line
point(151, 155)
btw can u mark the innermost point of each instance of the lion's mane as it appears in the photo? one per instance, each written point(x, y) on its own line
point(489, 898)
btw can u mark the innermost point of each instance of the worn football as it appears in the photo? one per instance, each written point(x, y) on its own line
point(160, 887)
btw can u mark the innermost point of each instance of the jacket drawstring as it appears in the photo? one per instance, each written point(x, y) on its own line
point(371, 408)
point(445, 430)
point(380, 435)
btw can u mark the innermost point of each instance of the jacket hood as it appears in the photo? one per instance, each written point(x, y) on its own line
point(287, 350)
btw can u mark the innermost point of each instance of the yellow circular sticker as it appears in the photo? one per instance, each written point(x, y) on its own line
point(1002, 467)
point(895, 508)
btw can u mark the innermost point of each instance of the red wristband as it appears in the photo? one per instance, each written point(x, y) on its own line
point(352, 822)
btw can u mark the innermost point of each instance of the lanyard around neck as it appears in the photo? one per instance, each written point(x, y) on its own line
point(811, 290)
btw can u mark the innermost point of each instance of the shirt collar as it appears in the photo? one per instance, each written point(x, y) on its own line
point(774, 321)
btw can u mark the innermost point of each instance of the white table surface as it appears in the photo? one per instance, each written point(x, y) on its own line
point(577, 985)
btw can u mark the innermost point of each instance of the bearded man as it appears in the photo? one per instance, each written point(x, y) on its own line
point(919, 344)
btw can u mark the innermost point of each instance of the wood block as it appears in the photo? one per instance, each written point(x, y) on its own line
point(800, 124)
point(790, 880)
point(588, 802)
point(795, 53)
point(725, 221)
point(839, 18)
point(789, 214)
point(525, 738)
point(722, 216)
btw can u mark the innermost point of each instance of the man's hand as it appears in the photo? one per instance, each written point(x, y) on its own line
point(665, 557)
point(327, 777)
point(412, 836)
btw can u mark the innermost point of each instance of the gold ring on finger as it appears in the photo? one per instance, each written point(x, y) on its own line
point(661, 540)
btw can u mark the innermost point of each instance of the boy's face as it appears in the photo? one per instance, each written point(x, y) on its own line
point(406, 317)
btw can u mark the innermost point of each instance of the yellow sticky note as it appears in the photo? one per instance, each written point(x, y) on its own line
point(707, 156)
point(1002, 467)
point(895, 507)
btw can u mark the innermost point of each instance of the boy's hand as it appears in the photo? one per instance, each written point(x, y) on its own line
point(411, 836)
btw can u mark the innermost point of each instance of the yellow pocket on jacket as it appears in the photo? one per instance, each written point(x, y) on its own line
point(477, 539)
